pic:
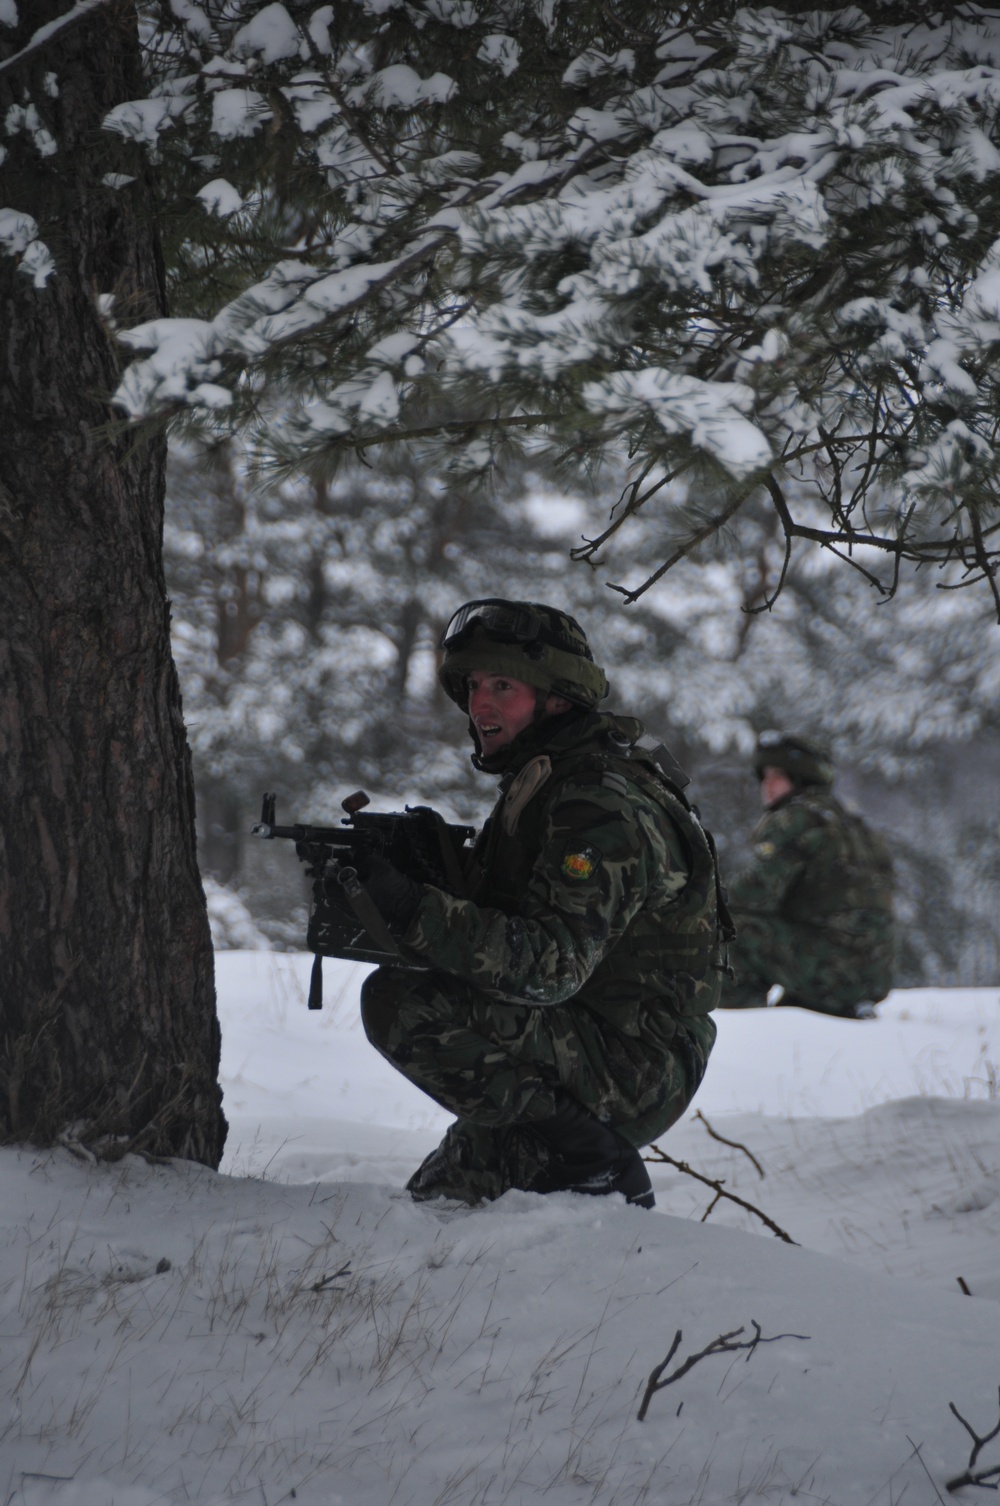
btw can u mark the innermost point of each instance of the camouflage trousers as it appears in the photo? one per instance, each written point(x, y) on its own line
point(500, 1066)
point(829, 976)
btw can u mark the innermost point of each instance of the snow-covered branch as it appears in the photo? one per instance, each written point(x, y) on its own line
point(764, 249)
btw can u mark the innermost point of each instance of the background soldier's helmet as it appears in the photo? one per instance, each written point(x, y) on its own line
point(537, 644)
point(804, 762)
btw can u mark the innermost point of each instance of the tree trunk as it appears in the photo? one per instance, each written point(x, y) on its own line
point(106, 978)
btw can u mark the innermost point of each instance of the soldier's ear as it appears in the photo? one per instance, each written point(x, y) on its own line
point(556, 704)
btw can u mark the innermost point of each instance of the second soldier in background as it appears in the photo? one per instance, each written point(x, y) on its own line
point(813, 910)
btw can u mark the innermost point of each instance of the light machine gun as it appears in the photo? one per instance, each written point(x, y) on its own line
point(417, 841)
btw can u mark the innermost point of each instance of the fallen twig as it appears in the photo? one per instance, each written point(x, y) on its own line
point(733, 1144)
point(325, 1282)
point(720, 1192)
point(989, 1479)
point(724, 1344)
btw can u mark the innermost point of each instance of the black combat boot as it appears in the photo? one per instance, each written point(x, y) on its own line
point(588, 1156)
point(862, 1011)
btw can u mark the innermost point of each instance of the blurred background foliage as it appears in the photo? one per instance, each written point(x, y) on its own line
point(306, 616)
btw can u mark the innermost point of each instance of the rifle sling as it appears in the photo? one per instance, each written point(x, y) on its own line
point(366, 910)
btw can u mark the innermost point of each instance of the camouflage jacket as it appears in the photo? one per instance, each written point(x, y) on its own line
point(819, 865)
point(592, 881)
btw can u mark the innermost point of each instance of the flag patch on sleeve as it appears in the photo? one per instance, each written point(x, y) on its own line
point(580, 863)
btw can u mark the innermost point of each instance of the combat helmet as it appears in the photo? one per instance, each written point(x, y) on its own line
point(538, 644)
point(804, 762)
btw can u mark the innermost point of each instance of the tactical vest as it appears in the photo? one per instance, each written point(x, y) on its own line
point(677, 949)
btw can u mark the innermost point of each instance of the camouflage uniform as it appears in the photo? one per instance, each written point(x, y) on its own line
point(813, 912)
point(584, 958)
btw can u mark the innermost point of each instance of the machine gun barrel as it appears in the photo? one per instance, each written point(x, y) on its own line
point(328, 836)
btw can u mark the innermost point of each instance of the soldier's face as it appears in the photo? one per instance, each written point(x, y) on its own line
point(774, 785)
point(500, 708)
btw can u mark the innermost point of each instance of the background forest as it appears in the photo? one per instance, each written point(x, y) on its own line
point(306, 617)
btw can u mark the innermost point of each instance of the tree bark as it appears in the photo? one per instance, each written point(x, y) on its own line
point(108, 1025)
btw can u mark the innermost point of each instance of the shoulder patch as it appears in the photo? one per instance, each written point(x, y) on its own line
point(580, 862)
point(765, 850)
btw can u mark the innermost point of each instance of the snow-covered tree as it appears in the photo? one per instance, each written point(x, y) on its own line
point(758, 247)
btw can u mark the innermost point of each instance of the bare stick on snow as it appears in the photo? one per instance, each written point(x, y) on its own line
point(989, 1479)
point(733, 1144)
point(720, 1192)
point(724, 1344)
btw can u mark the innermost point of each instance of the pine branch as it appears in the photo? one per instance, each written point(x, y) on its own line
point(50, 31)
point(796, 309)
point(710, 527)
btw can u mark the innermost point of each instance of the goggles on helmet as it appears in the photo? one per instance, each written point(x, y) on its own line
point(540, 645)
point(504, 621)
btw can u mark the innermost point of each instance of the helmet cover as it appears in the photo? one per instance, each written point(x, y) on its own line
point(539, 645)
point(805, 763)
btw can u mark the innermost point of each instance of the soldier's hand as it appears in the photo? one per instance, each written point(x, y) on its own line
point(395, 896)
point(329, 879)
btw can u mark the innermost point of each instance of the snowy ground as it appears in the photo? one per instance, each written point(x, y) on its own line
point(296, 1329)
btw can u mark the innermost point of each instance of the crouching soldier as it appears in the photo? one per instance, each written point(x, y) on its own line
point(563, 1015)
point(813, 910)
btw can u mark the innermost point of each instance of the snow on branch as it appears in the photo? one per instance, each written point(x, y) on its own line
point(762, 250)
point(50, 30)
point(19, 238)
